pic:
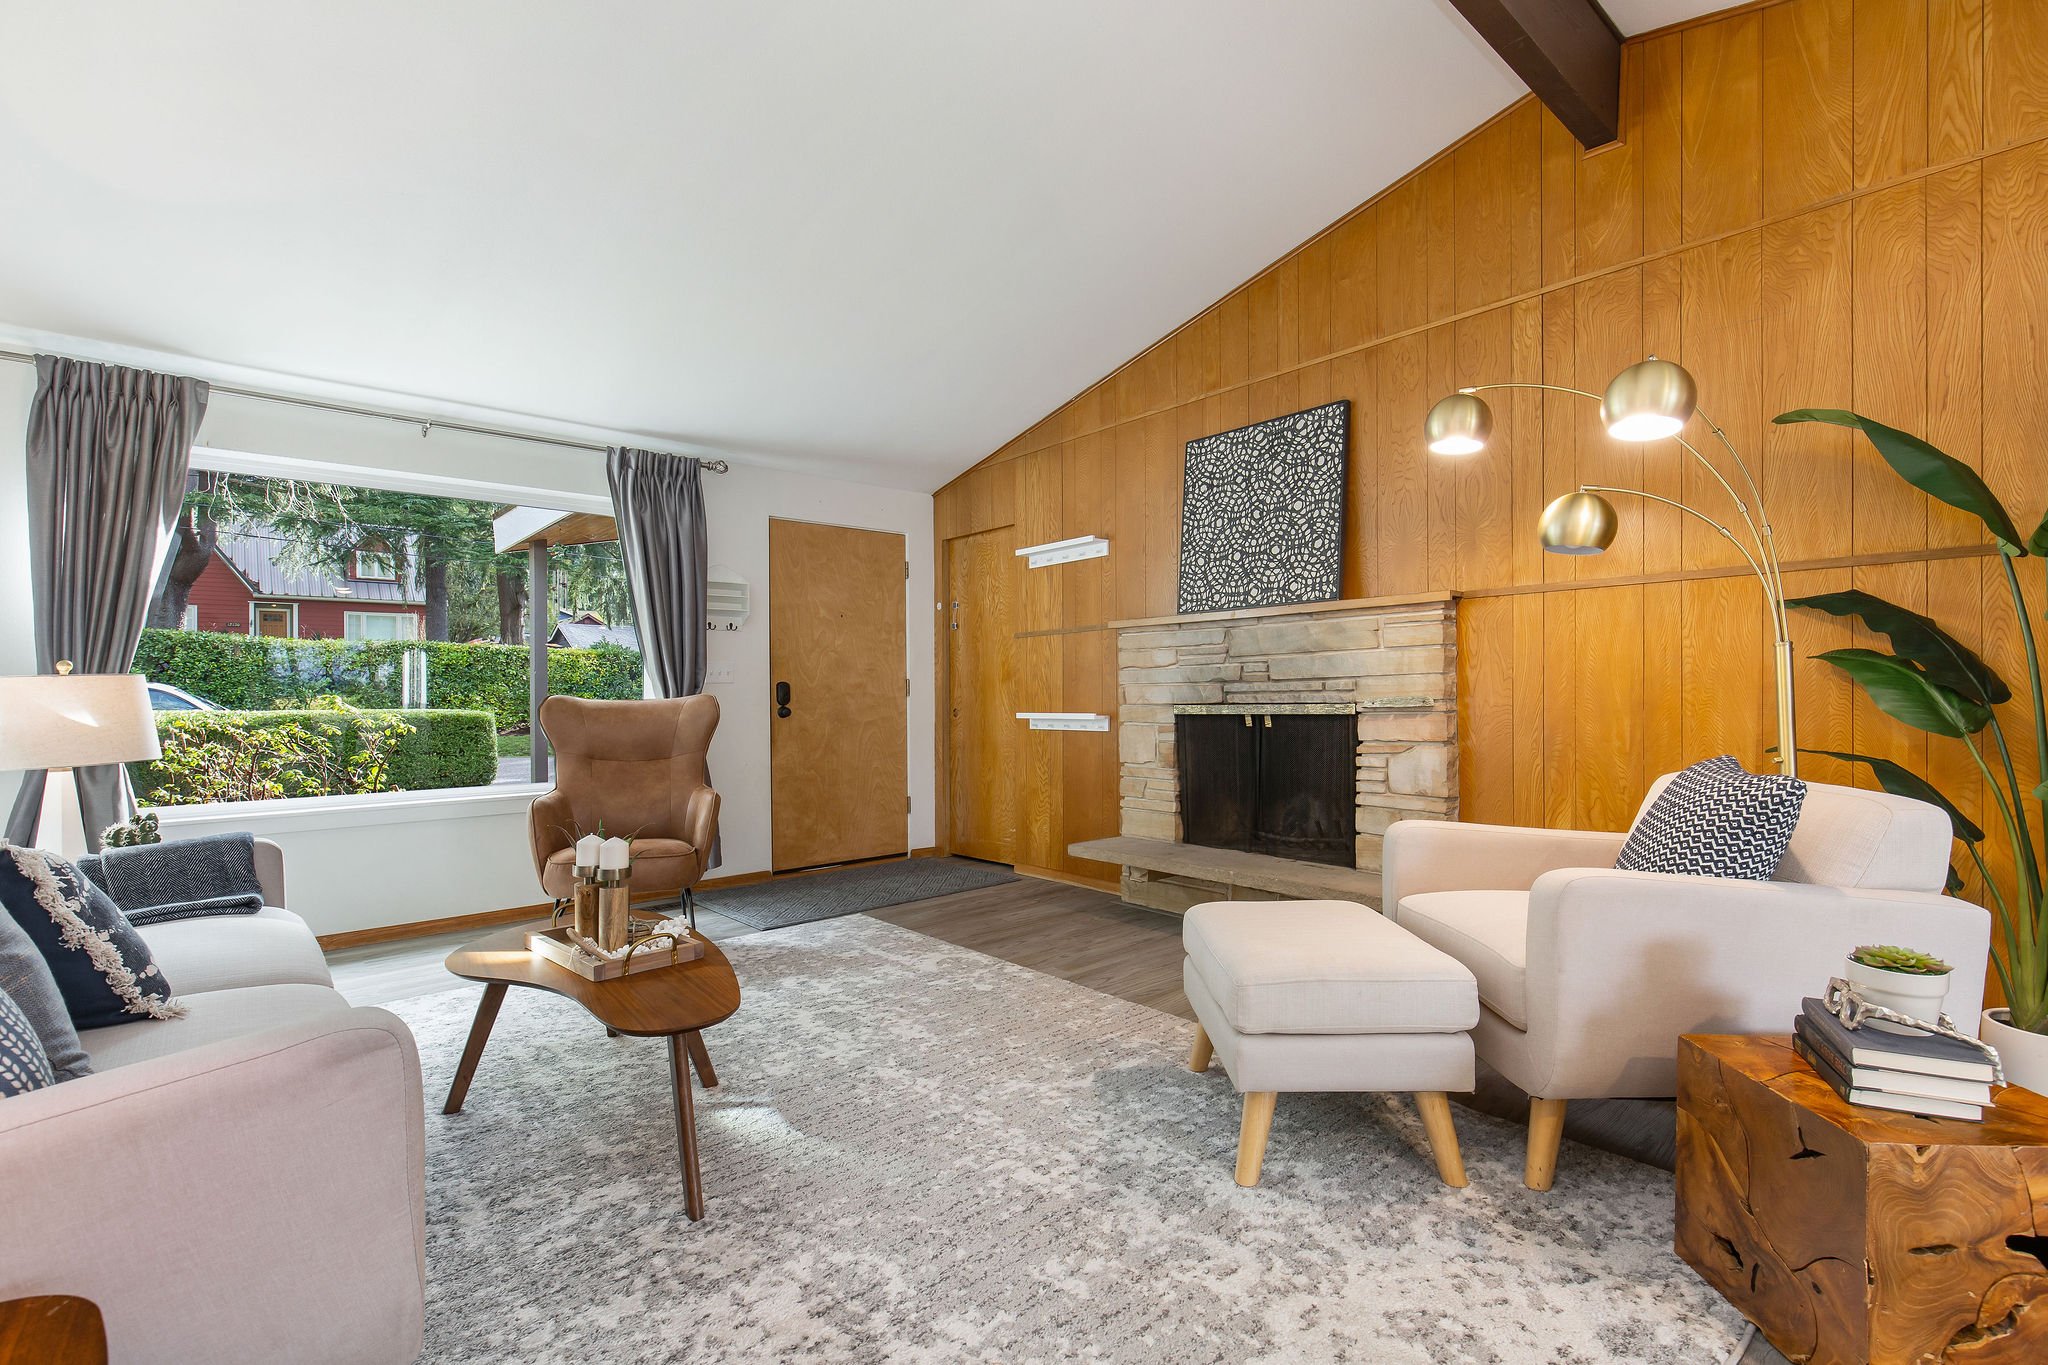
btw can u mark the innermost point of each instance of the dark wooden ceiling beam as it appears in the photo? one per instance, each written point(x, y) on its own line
point(1567, 51)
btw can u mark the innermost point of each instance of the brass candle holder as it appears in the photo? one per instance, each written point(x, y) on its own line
point(612, 895)
point(583, 900)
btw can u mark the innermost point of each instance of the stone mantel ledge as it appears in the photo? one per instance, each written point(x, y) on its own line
point(1438, 598)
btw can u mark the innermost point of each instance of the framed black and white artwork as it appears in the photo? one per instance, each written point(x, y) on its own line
point(1262, 514)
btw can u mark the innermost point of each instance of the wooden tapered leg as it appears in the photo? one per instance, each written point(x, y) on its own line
point(686, 1124)
point(1546, 1132)
point(1201, 1052)
point(1252, 1131)
point(473, 1051)
point(701, 1059)
point(1435, 1108)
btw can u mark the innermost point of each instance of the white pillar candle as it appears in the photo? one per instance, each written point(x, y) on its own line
point(587, 850)
point(614, 856)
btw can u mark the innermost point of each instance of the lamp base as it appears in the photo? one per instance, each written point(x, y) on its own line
point(60, 829)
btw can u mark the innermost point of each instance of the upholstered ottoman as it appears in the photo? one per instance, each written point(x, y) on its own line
point(1307, 996)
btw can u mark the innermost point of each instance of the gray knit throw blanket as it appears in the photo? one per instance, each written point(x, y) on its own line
point(183, 879)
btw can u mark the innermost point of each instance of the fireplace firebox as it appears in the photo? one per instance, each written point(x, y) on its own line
point(1267, 782)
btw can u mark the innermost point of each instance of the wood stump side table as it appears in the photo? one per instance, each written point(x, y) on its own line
point(1852, 1235)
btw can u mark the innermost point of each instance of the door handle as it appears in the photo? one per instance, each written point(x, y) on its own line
point(782, 700)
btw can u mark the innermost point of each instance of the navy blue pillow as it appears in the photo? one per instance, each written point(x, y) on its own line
point(104, 970)
point(24, 1066)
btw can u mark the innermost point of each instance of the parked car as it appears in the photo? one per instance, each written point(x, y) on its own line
point(164, 697)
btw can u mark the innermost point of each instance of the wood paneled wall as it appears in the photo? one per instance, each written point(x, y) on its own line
point(1813, 203)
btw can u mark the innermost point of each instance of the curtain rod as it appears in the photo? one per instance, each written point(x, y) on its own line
point(425, 424)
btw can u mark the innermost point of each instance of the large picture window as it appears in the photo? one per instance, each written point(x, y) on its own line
point(321, 639)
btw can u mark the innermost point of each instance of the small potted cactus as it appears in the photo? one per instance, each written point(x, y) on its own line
point(1913, 983)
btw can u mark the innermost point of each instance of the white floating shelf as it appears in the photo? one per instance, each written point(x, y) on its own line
point(1064, 720)
point(728, 598)
point(1064, 551)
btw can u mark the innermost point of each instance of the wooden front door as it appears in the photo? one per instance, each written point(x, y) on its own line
point(981, 720)
point(838, 694)
point(274, 621)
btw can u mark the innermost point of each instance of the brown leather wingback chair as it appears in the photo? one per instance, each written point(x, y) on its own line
point(637, 769)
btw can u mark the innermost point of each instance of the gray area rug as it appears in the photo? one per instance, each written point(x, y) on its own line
point(921, 1154)
point(848, 891)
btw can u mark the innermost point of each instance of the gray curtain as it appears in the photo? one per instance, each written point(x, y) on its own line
point(108, 448)
point(658, 500)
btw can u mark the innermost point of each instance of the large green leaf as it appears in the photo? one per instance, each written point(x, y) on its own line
point(1934, 473)
point(1900, 781)
point(2037, 543)
point(1906, 694)
point(1940, 655)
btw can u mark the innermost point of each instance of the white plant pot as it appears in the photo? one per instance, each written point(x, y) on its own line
point(2024, 1055)
point(1909, 993)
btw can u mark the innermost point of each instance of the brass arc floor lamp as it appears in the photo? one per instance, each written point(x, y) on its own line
point(1651, 400)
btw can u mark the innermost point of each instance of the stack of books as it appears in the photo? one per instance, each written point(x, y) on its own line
point(1915, 1073)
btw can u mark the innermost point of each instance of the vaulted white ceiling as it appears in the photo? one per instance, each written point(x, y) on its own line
point(871, 238)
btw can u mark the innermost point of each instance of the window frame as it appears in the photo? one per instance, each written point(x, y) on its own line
point(373, 808)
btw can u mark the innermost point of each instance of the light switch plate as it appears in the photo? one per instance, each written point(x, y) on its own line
point(717, 675)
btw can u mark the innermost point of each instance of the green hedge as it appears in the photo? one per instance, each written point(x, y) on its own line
point(254, 673)
point(436, 748)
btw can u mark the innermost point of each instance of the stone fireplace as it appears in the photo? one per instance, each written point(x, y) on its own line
point(1261, 694)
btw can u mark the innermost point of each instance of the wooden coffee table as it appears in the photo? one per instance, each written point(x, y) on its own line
point(677, 1003)
point(1855, 1236)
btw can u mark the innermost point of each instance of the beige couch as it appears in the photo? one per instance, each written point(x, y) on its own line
point(1588, 975)
point(244, 1183)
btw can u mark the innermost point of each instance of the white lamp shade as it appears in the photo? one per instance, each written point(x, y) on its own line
point(75, 720)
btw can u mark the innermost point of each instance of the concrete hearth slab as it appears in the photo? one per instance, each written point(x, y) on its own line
point(1171, 876)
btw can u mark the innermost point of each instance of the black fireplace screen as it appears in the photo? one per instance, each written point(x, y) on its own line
point(1279, 784)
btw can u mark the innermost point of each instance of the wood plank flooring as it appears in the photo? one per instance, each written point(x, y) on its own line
point(1081, 935)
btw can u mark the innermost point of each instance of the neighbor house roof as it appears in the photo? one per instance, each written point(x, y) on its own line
point(585, 634)
point(262, 560)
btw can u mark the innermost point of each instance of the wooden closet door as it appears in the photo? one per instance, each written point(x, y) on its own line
point(981, 721)
point(840, 764)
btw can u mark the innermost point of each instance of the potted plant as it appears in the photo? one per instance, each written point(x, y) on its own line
point(1934, 683)
point(1902, 979)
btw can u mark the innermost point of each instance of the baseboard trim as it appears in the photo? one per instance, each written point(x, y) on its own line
point(1047, 874)
point(426, 928)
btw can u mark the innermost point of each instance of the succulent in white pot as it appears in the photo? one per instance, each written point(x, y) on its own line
point(1912, 983)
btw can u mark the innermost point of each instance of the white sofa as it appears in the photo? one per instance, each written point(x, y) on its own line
point(243, 1183)
point(1588, 975)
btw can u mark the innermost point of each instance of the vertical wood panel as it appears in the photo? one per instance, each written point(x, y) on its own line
point(1955, 336)
point(1807, 94)
point(1807, 468)
point(1891, 89)
point(1402, 502)
point(1486, 710)
point(2015, 71)
point(1955, 79)
point(1890, 349)
point(1354, 281)
point(1660, 142)
point(1720, 126)
point(1484, 241)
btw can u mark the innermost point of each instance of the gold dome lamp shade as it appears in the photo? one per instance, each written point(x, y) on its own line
point(1649, 401)
point(1459, 424)
point(1579, 523)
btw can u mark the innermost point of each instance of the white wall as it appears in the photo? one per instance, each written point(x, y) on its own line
point(429, 858)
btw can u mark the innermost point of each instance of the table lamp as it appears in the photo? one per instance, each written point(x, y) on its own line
point(64, 720)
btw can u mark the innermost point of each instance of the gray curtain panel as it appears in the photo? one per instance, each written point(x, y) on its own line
point(108, 447)
point(658, 500)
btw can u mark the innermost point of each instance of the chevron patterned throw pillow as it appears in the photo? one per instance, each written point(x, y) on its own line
point(1716, 819)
